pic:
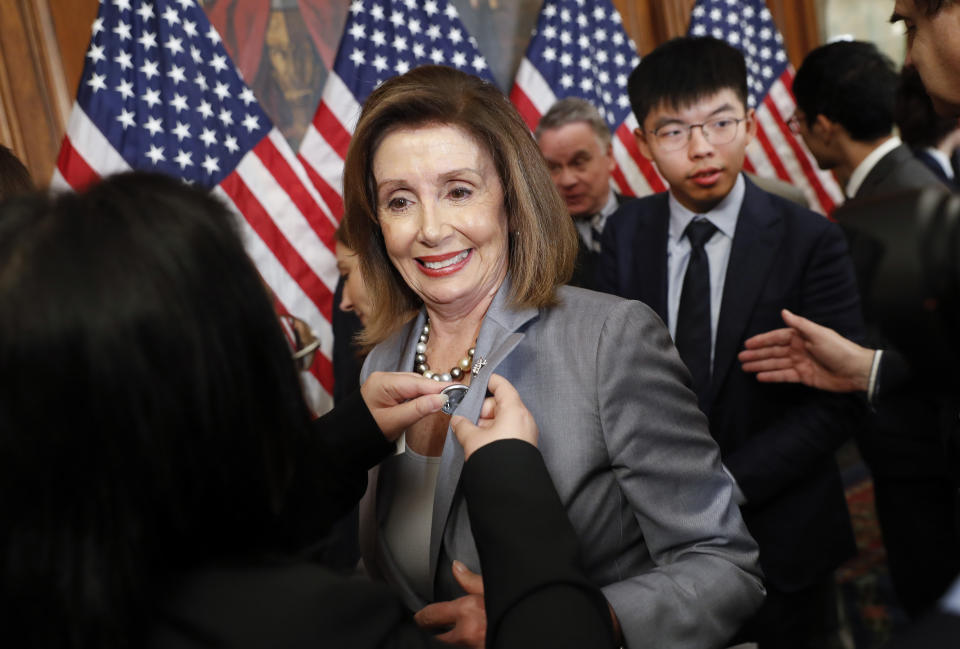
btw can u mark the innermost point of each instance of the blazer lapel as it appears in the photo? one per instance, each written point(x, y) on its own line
point(649, 252)
point(498, 336)
point(875, 181)
point(394, 354)
point(755, 242)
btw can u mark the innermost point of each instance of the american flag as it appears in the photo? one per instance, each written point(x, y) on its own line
point(776, 152)
point(382, 39)
point(160, 93)
point(580, 49)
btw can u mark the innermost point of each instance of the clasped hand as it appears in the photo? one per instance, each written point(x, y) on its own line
point(502, 416)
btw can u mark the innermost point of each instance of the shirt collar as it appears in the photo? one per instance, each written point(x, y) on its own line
point(942, 159)
point(723, 216)
point(867, 164)
point(600, 219)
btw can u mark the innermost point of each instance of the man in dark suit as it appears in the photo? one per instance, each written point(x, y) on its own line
point(717, 258)
point(846, 96)
point(934, 49)
point(575, 140)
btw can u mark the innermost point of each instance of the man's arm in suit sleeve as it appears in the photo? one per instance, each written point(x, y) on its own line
point(706, 581)
point(809, 431)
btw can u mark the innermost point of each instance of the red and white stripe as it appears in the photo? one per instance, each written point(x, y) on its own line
point(324, 146)
point(286, 226)
point(635, 175)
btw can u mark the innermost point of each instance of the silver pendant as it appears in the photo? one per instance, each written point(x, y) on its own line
point(455, 394)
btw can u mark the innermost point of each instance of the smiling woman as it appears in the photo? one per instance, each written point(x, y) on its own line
point(441, 211)
point(465, 244)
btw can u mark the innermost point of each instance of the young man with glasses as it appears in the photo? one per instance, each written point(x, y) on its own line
point(718, 258)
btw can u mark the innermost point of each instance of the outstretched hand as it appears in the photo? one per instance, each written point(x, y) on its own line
point(807, 353)
point(398, 400)
point(503, 416)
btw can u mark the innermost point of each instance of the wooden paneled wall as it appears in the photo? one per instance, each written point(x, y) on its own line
point(41, 57)
point(42, 43)
point(651, 22)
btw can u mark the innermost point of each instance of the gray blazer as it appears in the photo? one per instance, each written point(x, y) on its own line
point(629, 453)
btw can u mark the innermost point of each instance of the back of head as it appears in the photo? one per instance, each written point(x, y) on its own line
point(543, 245)
point(149, 409)
point(14, 177)
point(683, 71)
point(571, 110)
point(920, 125)
point(851, 83)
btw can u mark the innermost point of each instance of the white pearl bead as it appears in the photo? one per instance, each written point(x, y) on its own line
point(428, 374)
point(421, 348)
point(445, 377)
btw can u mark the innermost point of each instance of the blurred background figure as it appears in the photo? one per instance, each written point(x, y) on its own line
point(351, 307)
point(845, 105)
point(934, 139)
point(846, 96)
point(575, 141)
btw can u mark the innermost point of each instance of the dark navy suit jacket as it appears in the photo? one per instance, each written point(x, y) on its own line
point(776, 439)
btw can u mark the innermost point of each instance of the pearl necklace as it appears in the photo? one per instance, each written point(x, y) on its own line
point(456, 373)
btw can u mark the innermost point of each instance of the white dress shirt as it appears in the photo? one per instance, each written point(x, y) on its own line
point(867, 164)
point(942, 159)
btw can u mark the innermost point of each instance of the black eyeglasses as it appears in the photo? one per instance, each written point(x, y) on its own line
point(720, 130)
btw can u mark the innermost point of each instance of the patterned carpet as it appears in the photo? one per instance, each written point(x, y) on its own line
point(869, 609)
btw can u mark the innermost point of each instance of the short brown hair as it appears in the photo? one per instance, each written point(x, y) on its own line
point(543, 241)
point(572, 110)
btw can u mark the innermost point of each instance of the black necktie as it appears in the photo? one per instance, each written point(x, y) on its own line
point(693, 317)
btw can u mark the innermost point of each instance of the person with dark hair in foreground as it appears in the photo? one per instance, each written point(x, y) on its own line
point(159, 469)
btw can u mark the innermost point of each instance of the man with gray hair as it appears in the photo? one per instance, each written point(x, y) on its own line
point(575, 141)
